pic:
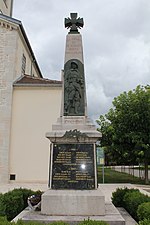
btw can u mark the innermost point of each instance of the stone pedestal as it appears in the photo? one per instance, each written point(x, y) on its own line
point(73, 170)
point(73, 153)
point(67, 123)
point(73, 203)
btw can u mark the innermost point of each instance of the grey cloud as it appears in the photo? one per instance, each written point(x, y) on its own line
point(116, 41)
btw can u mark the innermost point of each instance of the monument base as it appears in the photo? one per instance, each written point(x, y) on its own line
point(112, 217)
point(73, 203)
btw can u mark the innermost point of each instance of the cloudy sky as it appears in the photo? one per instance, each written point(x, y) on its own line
point(116, 43)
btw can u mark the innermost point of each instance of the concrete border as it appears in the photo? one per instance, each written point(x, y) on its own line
point(112, 216)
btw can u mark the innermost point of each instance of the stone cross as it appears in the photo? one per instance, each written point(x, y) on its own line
point(74, 23)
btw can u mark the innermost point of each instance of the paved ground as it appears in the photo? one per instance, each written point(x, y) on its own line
point(107, 189)
point(36, 186)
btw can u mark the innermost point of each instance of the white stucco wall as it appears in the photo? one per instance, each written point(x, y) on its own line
point(12, 47)
point(8, 37)
point(34, 110)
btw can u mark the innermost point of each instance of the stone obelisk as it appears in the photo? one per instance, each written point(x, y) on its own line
point(73, 172)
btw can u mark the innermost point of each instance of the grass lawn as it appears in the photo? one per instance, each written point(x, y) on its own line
point(111, 176)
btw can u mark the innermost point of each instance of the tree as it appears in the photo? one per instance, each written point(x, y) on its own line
point(126, 127)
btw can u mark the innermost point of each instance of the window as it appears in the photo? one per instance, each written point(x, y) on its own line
point(12, 176)
point(23, 65)
point(5, 1)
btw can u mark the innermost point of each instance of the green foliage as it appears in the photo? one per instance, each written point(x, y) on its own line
point(59, 223)
point(3, 221)
point(13, 202)
point(25, 194)
point(126, 128)
point(145, 222)
point(118, 196)
point(2, 206)
point(20, 222)
point(133, 200)
point(143, 211)
point(107, 129)
point(92, 222)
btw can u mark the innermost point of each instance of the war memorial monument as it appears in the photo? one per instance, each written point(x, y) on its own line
point(73, 173)
point(73, 193)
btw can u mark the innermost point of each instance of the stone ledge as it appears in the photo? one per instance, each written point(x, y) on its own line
point(112, 217)
point(73, 203)
point(58, 137)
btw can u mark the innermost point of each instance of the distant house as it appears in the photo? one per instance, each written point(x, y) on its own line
point(29, 105)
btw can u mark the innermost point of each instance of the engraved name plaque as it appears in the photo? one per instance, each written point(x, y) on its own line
point(73, 166)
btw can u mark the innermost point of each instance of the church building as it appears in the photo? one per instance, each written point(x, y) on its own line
point(29, 105)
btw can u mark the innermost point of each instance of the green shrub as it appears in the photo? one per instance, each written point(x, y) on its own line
point(133, 200)
point(25, 194)
point(92, 222)
point(145, 222)
point(143, 211)
point(2, 206)
point(13, 202)
point(59, 223)
point(118, 196)
point(4, 221)
point(20, 222)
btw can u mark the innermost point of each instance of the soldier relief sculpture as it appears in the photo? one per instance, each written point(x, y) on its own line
point(74, 88)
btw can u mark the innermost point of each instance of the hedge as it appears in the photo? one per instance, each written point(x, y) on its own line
point(145, 222)
point(13, 202)
point(118, 196)
point(143, 211)
point(130, 199)
point(133, 200)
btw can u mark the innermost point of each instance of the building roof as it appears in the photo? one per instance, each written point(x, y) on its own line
point(28, 80)
point(18, 22)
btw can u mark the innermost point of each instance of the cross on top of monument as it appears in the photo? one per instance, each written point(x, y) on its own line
point(74, 23)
